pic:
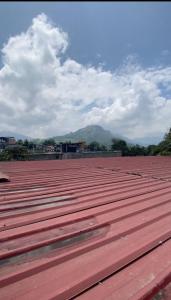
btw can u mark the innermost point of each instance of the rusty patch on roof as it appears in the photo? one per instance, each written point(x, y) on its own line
point(33, 206)
point(48, 247)
point(50, 201)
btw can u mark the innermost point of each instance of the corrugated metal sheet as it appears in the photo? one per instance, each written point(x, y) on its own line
point(3, 177)
point(85, 229)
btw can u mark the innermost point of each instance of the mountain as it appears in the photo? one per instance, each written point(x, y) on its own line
point(88, 134)
point(99, 134)
point(17, 136)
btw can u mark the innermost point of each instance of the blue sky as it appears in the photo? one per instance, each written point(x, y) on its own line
point(100, 32)
point(122, 37)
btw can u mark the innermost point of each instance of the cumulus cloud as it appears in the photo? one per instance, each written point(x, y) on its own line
point(41, 96)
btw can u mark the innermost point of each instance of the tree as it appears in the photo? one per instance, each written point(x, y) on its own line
point(120, 145)
point(4, 155)
point(94, 146)
point(164, 147)
point(137, 150)
point(49, 142)
point(152, 150)
point(103, 147)
point(26, 143)
point(20, 142)
point(168, 136)
point(16, 152)
point(31, 145)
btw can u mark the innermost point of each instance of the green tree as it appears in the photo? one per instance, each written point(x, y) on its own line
point(120, 145)
point(16, 153)
point(26, 143)
point(5, 155)
point(20, 142)
point(135, 150)
point(103, 147)
point(94, 146)
point(164, 147)
point(49, 142)
point(152, 150)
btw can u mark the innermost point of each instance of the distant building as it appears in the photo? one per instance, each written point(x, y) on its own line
point(40, 148)
point(70, 147)
point(6, 142)
point(49, 148)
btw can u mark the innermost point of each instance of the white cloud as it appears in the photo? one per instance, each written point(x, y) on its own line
point(40, 96)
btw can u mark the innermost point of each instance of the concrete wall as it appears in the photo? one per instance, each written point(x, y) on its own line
point(43, 156)
point(70, 155)
point(90, 154)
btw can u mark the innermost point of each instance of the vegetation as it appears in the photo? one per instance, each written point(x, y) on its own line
point(163, 148)
point(4, 156)
point(49, 142)
point(121, 145)
point(30, 145)
point(95, 146)
point(22, 148)
point(128, 150)
point(14, 153)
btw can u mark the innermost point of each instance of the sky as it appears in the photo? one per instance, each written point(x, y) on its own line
point(66, 65)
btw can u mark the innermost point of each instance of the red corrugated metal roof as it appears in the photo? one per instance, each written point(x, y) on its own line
point(85, 229)
point(3, 177)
